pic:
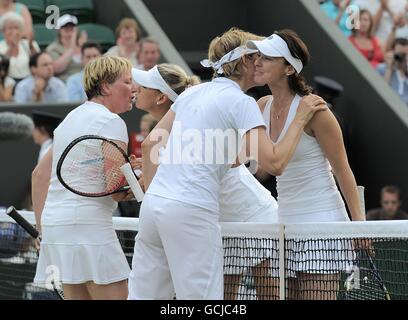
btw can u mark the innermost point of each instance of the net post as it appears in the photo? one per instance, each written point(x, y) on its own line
point(281, 262)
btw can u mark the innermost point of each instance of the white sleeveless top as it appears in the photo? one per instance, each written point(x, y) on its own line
point(307, 184)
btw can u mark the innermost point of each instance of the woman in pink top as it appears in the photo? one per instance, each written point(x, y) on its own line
point(365, 42)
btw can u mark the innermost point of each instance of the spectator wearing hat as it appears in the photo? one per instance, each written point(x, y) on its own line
point(43, 132)
point(7, 6)
point(75, 86)
point(41, 86)
point(15, 47)
point(6, 83)
point(127, 45)
point(66, 49)
point(390, 206)
point(364, 41)
point(149, 55)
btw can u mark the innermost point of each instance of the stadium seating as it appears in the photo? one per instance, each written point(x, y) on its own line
point(37, 10)
point(82, 9)
point(44, 36)
point(100, 34)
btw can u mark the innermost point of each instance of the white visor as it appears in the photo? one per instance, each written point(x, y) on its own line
point(227, 58)
point(275, 46)
point(153, 80)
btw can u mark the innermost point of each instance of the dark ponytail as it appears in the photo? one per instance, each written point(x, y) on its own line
point(299, 50)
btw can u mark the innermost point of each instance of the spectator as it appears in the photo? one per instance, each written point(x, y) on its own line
point(365, 42)
point(127, 45)
point(394, 69)
point(390, 206)
point(6, 83)
point(66, 50)
point(42, 86)
point(147, 123)
point(385, 13)
point(149, 54)
point(336, 11)
point(75, 86)
point(20, 9)
point(43, 133)
point(15, 47)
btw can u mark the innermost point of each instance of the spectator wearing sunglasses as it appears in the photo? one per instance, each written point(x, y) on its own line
point(390, 206)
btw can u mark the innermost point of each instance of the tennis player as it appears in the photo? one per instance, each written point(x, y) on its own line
point(179, 245)
point(79, 245)
point(242, 198)
point(307, 191)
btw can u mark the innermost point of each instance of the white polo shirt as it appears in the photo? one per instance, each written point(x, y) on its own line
point(193, 164)
point(62, 206)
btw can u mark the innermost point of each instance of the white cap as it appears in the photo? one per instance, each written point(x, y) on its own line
point(65, 19)
point(152, 79)
point(275, 46)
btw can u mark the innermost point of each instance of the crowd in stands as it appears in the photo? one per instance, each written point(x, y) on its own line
point(380, 34)
point(54, 74)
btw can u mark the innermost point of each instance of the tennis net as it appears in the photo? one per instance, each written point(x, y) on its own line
point(320, 261)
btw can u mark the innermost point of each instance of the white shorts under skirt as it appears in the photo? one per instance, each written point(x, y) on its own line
point(80, 253)
point(317, 256)
point(242, 254)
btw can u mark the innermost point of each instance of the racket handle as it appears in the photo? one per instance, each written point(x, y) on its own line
point(12, 212)
point(132, 180)
point(362, 200)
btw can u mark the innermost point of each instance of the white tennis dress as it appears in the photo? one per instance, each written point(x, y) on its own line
point(307, 192)
point(79, 243)
point(179, 246)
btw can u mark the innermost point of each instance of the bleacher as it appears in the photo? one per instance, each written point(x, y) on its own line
point(84, 10)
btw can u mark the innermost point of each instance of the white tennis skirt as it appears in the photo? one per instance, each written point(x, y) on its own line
point(74, 254)
point(318, 256)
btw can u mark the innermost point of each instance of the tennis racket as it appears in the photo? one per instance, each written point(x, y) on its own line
point(20, 220)
point(365, 281)
point(94, 166)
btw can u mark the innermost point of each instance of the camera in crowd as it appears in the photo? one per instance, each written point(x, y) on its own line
point(400, 57)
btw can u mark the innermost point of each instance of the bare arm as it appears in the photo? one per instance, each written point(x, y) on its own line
point(28, 23)
point(40, 180)
point(328, 134)
point(6, 93)
point(62, 62)
point(151, 145)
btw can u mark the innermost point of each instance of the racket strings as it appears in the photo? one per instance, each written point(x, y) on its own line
point(92, 167)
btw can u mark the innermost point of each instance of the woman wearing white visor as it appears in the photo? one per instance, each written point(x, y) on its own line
point(242, 197)
point(179, 246)
point(307, 191)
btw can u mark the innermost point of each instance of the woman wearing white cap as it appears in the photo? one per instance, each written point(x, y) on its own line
point(179, 246)
point(307, 191)
point(66, 49)
point(242, 198)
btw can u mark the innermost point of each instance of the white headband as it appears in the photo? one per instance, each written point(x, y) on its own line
point(227, 58)
point(275, 46)
point(153, 79)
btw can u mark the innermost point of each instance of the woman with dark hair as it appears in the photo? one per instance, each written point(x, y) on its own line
point(365, 42)
point(6, 83)
point(307, 191)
